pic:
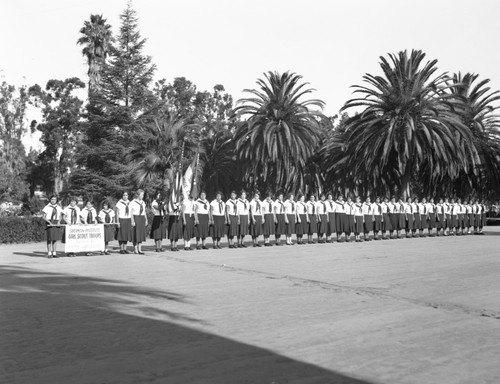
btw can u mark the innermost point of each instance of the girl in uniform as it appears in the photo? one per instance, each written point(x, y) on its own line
point(312, 214)
point(218, 214)
point(422, 211)
point(417, 218)
point(71, 216)
point(256, 218)
point(158, 227)
point(202, 220)
point(139, 221)
point(401, 217)
point(279, 210)
point(232, 219)
point(430, 208)
point(52, 214)
point(484, 210)
point(447, 217)
point(440, 218)
point(460, 217)
point(302, 219)
point(188, 221)
point(386, 219)
point(350, 223)
point(376, 209)
point(477, 217)
point(89, 214)
point(330, 208)
point(470, 216)
point(174, 227)
point(367, 210)
point(124, 215)
point(243, 218)
point(269, 219)
point(453, 217)
point(394, 213)
point(322, 219)
point(358, 219)
point(340, 217)
point(107, 217)
point(290, 218)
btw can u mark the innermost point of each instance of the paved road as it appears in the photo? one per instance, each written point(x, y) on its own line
point(399, 311)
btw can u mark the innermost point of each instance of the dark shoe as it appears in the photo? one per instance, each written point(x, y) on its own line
point(198, 247)
point(204, 247)
point(105, 252)
point(243, 246)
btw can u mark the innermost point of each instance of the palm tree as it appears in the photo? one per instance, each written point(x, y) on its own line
point(407, 129)
point(280, 132)
point(479, 114)
point(164, 145)
point(96, 40)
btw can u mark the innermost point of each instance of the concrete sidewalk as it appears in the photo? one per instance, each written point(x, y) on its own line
point(399, 311)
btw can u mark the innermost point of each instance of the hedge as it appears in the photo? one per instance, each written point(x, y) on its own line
point(18, 229)
point(30, 229)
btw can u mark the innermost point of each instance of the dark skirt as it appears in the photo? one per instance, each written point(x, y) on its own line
point(63, 232)
point(417, 221)
point(477, 220)
point(432, 220)
point(280, 225)
point(53, 233)
point(368, 223)
point(410, 222)
point(332, 225)
point(109, 233)
point(124, 232)
point(471, 220)
point(189, 227)
point(139, 231)
point(423, 221)
point(359, 224)
point(243, 227)
point(323, 224)
point(301, 228)
point(340, 222)
point(401, 221)
point(175, 230)
point(268, 227)
point(377, 224)
point(483, 220)
point(453, 221)
point(312, 226)
point(441, 221)
point(394, 221)
point(387, 224)
point(158, 230)
point(350, 224)
point(218, 227)
point(201, 230)
point(256, 228)
point(232, 229)
point(290, 227)
point(460, 221)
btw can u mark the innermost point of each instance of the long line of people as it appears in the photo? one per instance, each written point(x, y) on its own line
point(325, 220)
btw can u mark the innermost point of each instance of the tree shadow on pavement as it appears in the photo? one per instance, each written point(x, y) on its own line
point(61, 328)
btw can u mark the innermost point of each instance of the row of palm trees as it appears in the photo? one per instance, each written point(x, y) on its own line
point(412, 130)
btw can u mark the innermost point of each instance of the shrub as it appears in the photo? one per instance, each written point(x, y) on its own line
point(19, 229)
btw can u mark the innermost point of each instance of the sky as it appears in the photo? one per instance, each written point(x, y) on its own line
point(331, 44)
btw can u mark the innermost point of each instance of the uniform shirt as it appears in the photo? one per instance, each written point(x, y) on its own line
point(468, 209)
point(422, 209)
point(447, 208)
point(201, 207)
point(52, 212)
point(357, 209)
point(462, 209)
point(138, 208)
point(188, 207)
point(439, 208)
point(158, 208)
point(72, 214)
point(174, 209)
point(218, 208)
point(256, 207)
point(123, 209)
point(340, 206)
point(330, 206)
point(106, 216)
point(429, 207)
point(408, 208)
point(301, 208)
point(311, 208)
point(243, 207)
point(321, 207)
point(267, 206)
point(349, 208)
point(89, 215)
point(232, 207)
point(385, 207)
point(376, 209)
point(366, 209)
point(454, 209)
point(279, 206)
point(290, 207)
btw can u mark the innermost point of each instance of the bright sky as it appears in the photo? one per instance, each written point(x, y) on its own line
point(332, 44)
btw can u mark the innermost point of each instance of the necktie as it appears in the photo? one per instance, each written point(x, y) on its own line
point(324, 206)
point(258, 206)
point(220, 206)
point(234, 206)
point(314, 208)
point(73, 215)
point(282, 207)
point(293, 207)
point(331, 205)
point(89, 217)
point(270, 207)
point(54, 213)
point(107, 218)
point(244, 203)
point(126, 208)
point(141, 209)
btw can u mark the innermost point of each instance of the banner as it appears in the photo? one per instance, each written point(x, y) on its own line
point(84, 238)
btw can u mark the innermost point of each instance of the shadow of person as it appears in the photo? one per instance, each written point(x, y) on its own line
point(60, 328)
